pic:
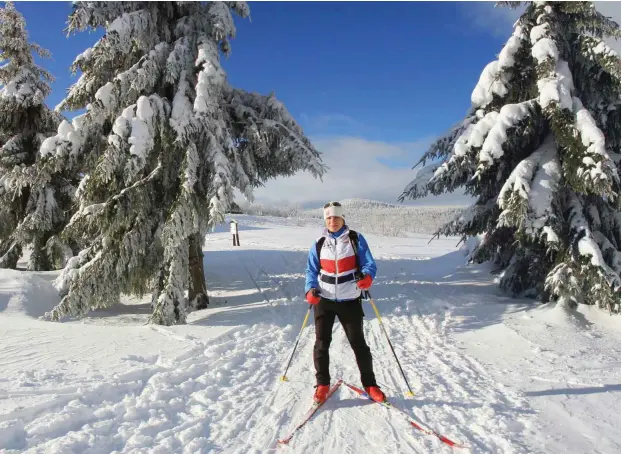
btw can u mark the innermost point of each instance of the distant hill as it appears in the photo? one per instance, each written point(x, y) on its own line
point(390, 219)
point(371, 216)
point(366, 203)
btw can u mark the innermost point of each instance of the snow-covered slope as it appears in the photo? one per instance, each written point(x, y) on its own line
point(489, 371)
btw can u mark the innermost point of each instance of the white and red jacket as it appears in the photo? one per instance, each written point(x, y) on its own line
point(333, 271)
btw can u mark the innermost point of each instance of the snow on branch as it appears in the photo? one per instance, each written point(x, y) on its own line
point(596, 50)
point(610, 253)
point(526, 197)
point(583, 242)
point(130, 30)
point(555, 84)
point(418, 187)
point(509, 117)
point(472, 219)
point(494, 80)
point(443, 147)
point(211, 78)
point(472, 137)
point(596, 169)
point(544, 188)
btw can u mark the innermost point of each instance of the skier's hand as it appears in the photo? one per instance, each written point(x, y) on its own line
point(364, 283)
point(313, 296)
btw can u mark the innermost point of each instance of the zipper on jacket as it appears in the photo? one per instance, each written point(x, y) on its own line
point(336, 269)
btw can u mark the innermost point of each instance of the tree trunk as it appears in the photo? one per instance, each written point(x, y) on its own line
point(39, 258)
point(10, 253)
point(197, 294)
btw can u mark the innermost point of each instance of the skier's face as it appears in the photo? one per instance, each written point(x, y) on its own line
point(334, 223)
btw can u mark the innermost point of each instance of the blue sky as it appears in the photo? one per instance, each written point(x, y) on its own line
point(371, 83)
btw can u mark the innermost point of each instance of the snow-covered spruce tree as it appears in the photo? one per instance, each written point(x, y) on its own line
point(540, 149)
point(31, 209)
point(172, 140)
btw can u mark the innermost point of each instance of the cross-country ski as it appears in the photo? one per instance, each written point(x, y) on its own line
point(416, 424)
point(314, 408)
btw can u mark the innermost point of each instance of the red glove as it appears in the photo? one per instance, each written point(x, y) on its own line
point(364, 283)
point(313, 296)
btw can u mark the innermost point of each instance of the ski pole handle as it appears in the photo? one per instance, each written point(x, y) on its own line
point(304, 323)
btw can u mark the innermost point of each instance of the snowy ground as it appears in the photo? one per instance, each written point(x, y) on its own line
point(489, 371)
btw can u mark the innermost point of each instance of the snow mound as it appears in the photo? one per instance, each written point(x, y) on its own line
point(28, 294)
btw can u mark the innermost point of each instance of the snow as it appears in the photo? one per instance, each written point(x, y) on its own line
point(22, 88)
point(538, 32)
point(67, 132)
point(603, 49)
point(519, 181)
point(478, 133)
point(493, 79)
point(506, 56)
point(84, 56)
point(141, 139)
point(121, 125)
point(591, 135)
point(594, 140)
point(211, 76)
point(181, 114)
point(472, 137)
point(545, 183)
point(544, 49)
point(550, 235)
point(104, 94)
point(192, 164)
point(587, 246)
point(490, 82)
point(509, 116)
point(64, 129)
point(557, 88)
point(499, 374)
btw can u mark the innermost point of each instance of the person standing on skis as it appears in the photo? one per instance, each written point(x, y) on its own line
point(339, 266)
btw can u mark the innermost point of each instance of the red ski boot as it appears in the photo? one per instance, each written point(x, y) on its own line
point(375, 393)
point(321, 391)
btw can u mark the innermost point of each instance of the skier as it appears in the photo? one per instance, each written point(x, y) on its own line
point(335, 276)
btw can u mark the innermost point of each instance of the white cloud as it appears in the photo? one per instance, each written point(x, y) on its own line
point(358, 169)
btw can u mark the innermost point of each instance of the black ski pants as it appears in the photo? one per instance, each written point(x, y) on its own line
point(350, 314)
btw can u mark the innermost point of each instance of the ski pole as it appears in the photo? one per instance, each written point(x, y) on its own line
point(373, 305)
point(304, 323)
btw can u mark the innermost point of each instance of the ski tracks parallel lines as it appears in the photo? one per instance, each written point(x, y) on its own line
point(457, 396)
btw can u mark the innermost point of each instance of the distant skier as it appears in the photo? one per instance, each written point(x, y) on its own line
point(335, 276)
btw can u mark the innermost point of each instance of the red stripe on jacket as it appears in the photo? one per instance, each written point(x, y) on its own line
point(346, 264)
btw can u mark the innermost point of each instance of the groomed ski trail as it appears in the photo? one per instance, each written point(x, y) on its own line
point(224, 394)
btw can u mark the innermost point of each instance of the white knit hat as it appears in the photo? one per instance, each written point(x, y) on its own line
point(334, 210)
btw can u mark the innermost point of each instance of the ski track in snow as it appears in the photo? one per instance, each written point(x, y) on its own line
point(224, 394)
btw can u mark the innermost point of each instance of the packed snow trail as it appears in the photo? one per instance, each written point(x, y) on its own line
point(213, 385)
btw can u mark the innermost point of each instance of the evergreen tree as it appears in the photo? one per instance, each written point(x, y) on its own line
point(540, 149)
point(171, 139)
point(29, 212)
